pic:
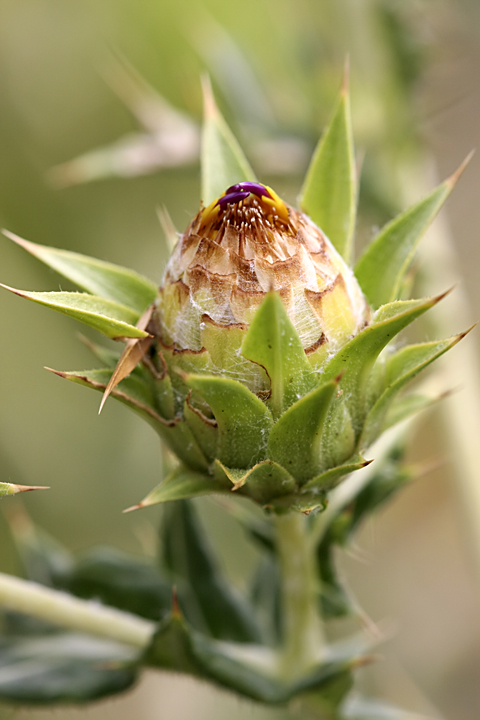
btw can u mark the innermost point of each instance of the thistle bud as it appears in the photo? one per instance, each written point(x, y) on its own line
point(243, 245)
point(259, 361)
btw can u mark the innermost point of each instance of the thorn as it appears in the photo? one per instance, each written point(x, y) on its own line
point(440, 297)
point(366, 463)
point(463, 334)
point(133, 507)
point(27, 488)
point(26, 244)
point(176, 612)
point(346, 75)
point(452, 180)
point(169, 230)
point(55, 372)
point(364, 660)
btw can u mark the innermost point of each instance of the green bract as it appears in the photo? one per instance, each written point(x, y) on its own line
point(263, 361)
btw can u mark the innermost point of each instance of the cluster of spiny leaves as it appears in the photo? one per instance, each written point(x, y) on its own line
point(288, 444)
point(286, 447)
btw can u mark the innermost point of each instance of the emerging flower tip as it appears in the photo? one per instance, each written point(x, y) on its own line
point(244, 244)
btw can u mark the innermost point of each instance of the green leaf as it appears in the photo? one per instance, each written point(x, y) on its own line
point(179, 648)
point(133, 391)
point(123, 581)
point(63, 667)
point(106, 316)
point(407, 406)
point(335, 601)
point(266, 593)
point(338, 440)
point(382, 267)
point(204, 429)
point(273, 343)
point(265, 482)
point(182, 483)
point(244, 421)
point(223, 162)
point(328, 195)
point(295, 440)
point(328, 479)
point(97, 277)
point(386, 479)
point(400, 369)
point(354, 362)
point(209, 603)
point(138, 393)
point(43, 559)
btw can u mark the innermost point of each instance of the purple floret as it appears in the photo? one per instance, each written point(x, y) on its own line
point(233, 197)
point(251, 187)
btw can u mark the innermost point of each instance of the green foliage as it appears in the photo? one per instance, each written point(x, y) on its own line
point(329, 193)
point(204, 595)
point(108, 281)
point(106, 316)
point(382, 268)
point(63, 668)
point(273, 343)
point(223, 161)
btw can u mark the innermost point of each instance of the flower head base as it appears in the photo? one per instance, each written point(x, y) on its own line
point(243, 245)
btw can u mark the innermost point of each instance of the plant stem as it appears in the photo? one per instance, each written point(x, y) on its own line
point(304, 640)
point(68, 611)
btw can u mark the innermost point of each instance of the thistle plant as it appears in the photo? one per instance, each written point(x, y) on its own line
point(268, 367)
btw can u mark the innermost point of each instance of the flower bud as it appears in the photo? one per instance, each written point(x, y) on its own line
point(246, 243)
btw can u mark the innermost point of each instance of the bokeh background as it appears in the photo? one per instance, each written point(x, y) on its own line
point(276, 66)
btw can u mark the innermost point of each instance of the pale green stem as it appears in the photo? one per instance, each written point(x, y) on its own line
point(70, 612)
point(304, 641)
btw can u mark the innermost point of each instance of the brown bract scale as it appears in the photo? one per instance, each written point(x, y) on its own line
point(233, 253)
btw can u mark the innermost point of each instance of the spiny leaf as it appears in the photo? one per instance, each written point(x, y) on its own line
point(123, 581)
point(138, 393)
point(204, 595)
point(97, 277)
point(382, 267)
point(356, 359)
point(63, 668)
point(265, 482)
point(328, 195)
point(223, 162)
point(204, 429)
point(133, 391)
point(181, 484)
point(106, 316)
point(329, 478)
point(408, 406)
point(295, 439)
point(243, 420)
point(400, 369)
point(178, 647)
point(273, 343)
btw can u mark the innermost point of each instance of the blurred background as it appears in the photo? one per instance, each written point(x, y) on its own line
point(69, 89)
